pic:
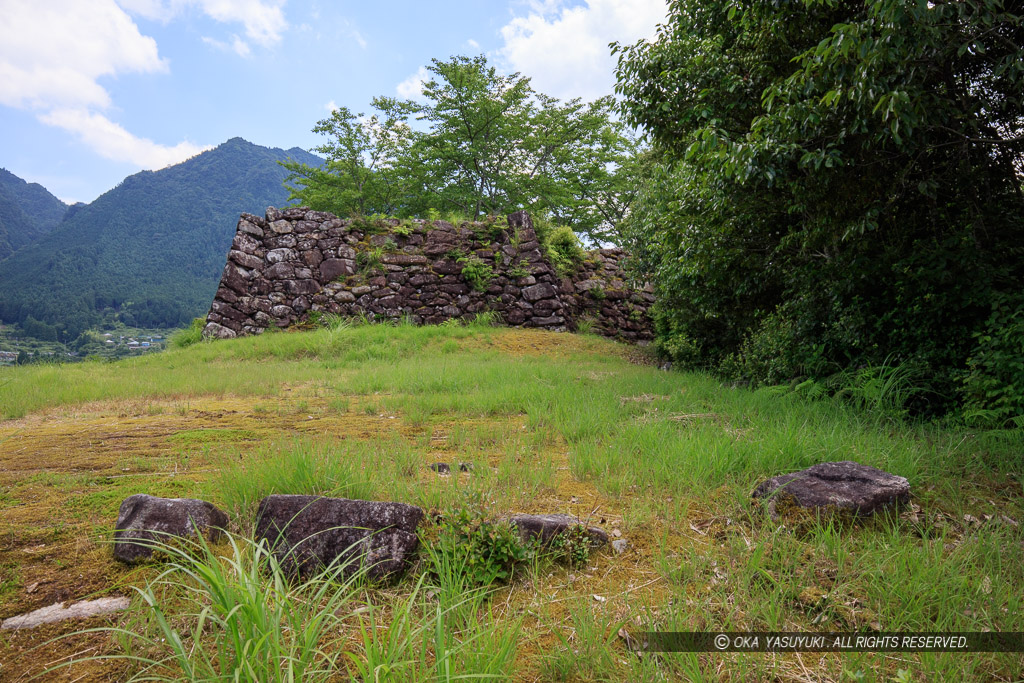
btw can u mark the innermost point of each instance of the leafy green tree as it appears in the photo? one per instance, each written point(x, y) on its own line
point(480, 143)
point(836, 183)
point(361, 175)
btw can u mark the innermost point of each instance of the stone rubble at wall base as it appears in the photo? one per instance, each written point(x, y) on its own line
point(294, 262)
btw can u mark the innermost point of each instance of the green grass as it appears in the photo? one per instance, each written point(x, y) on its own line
point(195, 437)
point(214, 369)
point(675, 454)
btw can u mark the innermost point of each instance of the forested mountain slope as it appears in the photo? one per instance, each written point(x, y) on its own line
point(27, 212)
point(151, 250)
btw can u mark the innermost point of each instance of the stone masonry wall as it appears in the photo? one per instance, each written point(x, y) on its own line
point(294, 262)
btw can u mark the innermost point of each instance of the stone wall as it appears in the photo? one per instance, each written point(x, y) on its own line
point(294, 262)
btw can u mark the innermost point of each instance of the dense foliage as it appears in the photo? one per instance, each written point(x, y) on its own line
point(27, 212)
point(150, 252)
point(480, 143)
point(838, 184)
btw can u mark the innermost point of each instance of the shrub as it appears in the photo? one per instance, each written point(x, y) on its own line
point(993, 387)
point(586, 326)
point(189, 335)
point(403, 229)
point(572, 545)
point(521, 270)
point(370, 259)
point(564, 250)
point(486, 319)
point(477, 273)
point(479, 551)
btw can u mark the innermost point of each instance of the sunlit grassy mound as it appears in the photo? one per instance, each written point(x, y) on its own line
point(551, 423)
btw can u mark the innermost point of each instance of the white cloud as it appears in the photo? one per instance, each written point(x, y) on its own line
point(354, 33)
point(331, 106)
point(472, 44)
point(237, 45)
point(52, 53)
point(114, 142)
point(564, 50)
point(263, 20)
point(412, 87)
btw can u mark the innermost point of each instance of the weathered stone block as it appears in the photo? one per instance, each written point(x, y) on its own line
point(245, 260)
point(144, 520)
point(214, 330)
point(308, 533)
point(244, 242)
point(538, 292)
point(280, 271)
point(300, 287)
point(250, 228)
point(281, 255)
point(334, 268)
point(844, 485)
point(404, 259)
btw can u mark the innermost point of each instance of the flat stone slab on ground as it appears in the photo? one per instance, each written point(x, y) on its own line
point(846, 485)
point(144, 520)
point(309, 533)
point(58, 612)
point(546, 527)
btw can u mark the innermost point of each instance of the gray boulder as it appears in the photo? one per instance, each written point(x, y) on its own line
point(845, 485)
point(144, 520)
point(546, 527)
point(308, 533)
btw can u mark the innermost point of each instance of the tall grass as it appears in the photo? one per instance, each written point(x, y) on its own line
point(235, 617)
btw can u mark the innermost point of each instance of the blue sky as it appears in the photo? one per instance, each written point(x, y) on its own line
point(94, 90)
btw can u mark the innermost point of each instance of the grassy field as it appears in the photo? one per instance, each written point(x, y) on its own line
point(551, 423)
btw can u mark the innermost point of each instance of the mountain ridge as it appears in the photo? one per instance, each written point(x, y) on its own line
point(149, 251)
point(28, 211)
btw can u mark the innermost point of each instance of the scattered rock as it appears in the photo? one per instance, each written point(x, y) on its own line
point(309, 533)
point(465, 467)
point(845, 485)
point(57, 612)
point(546, 527)
point(441, 467)
point(619, 545)
point(144, 520)
point(616, 533)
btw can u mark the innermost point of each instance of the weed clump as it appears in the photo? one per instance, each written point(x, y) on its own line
point(572, 546)
point(470, 550)
point(476, 273)
point(193, 334)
